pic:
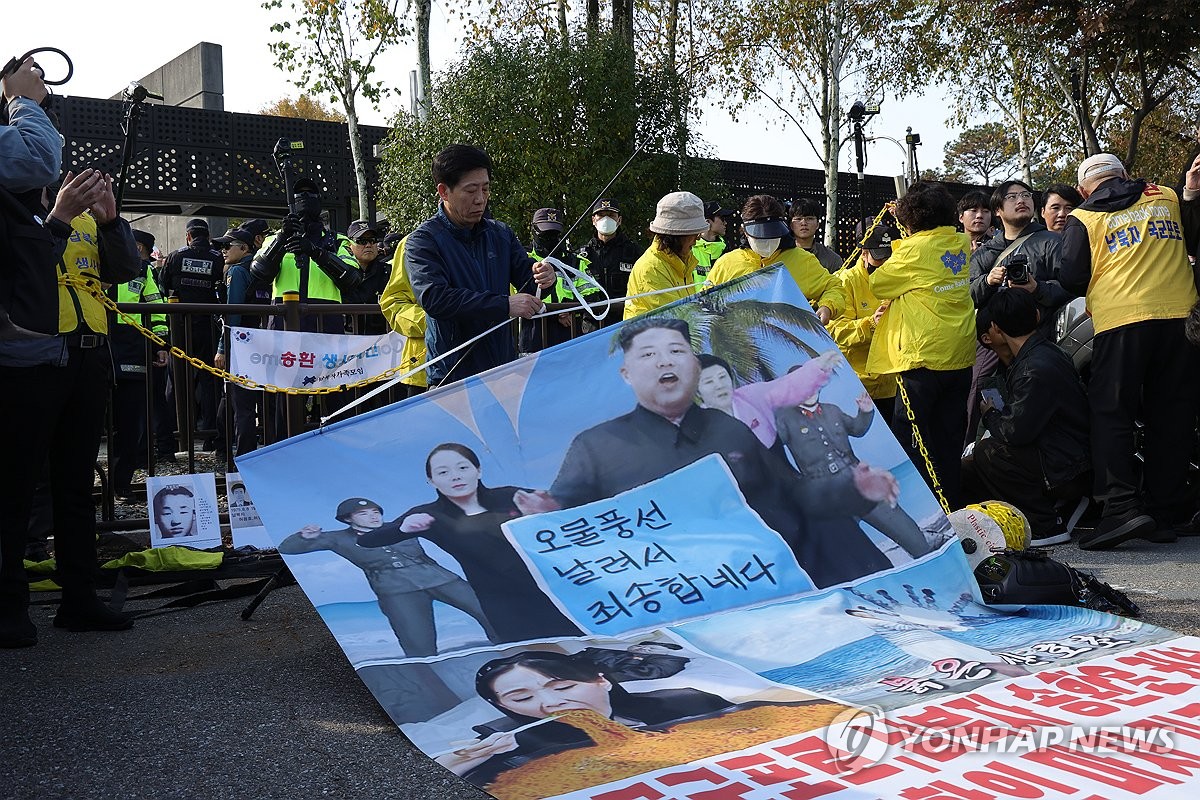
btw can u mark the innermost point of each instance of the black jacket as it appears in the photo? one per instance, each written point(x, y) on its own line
point(375, 280)
point(29, 253)
point(610, 264)
point(196, 274)
point(1044, 249)
point(1047, 409)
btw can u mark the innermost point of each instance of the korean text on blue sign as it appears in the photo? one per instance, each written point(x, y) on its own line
point(658, 554)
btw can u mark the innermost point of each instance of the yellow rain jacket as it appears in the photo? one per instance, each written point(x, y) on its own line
point(854, 330)
point(821, 288)
point(405, 316)
point(659, 269)
point(931, 321)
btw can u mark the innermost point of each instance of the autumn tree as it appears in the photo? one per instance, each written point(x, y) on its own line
point(1137, 53)
point(811, 58)
point(302, 107)
point(330, 46)
point(983, 154)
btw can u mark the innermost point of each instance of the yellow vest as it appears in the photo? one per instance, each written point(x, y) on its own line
point(320, 285)
point(78, 310)
point(854, 330)
point(405, 316)
point(1140, 268)
point(931, 321)
point(821, 288)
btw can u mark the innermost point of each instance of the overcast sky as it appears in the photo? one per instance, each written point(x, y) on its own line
point(113, 44)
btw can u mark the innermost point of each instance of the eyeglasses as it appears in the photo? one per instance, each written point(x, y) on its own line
point(1019, 196)
point(366, 241)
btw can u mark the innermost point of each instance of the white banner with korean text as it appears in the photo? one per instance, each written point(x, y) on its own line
point(293, 359)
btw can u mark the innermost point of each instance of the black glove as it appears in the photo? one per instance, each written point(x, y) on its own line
point(299, 246)
point(292, 226)
point(344, 276)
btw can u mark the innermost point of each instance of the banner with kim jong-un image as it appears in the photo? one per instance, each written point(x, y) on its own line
point(548, 573)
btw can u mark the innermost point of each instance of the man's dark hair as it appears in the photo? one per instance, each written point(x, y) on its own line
point(457, 160)
point(708, 360)
point(983, 323)
point(1064, 191)
point(1003, 189)
point(632, 328)
point(1014, 311)
point(926, 206)
point(806, 207)
point(976, 198)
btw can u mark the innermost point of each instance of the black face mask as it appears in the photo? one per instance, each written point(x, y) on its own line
point(307, 205)
point(545, 242)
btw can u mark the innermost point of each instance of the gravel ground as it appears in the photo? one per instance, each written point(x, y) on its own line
point(201, 704)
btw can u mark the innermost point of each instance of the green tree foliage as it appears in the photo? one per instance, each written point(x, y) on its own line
point(330, 47)
point(983, 154)
point(558, 124)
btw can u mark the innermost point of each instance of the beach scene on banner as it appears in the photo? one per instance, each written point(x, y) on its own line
point(555, 496)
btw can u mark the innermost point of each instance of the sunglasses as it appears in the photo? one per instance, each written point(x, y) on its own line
point(365, 240)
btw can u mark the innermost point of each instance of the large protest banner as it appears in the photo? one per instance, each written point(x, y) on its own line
point(611, 571)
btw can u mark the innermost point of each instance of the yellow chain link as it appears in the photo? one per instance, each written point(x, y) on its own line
point(93, 289)
point(887, 208)
point(912, 419)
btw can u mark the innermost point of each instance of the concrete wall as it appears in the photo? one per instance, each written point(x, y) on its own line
point(194, 79)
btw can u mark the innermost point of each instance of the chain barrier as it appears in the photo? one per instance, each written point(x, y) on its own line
point(916, 433)
point(91, 287)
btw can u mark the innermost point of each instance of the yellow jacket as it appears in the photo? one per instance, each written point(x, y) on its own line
point(854, 330)
point(659, 269)
point(405, 316)
point(821, 288)
point(931, 321)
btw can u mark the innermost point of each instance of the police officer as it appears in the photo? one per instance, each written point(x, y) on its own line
point(129, 357)
point(195, 274)
point(305, 241)
point(546, 234)
point(610, 255)
point(404, 578)
point(237, 245)
point(711, 244)
point(366, 245)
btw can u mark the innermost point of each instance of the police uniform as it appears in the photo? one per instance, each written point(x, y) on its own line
point(404, 578)
point(611, 262)
point(818, 439)
point(129, 395)
point(194, 274)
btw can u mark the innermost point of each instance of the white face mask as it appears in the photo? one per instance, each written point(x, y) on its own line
point(764, 247)
point(606, 226)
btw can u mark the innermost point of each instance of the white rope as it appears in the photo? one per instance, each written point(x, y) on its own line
point(585, 306)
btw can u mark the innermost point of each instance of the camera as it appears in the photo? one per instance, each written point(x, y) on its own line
point(1017, 268)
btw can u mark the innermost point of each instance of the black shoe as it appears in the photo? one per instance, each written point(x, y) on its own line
point(1112, 531)
point(91, 615)
point(167, 456)
point(124, 493)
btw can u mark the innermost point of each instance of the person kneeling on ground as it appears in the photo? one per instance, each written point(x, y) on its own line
point(1037, 453)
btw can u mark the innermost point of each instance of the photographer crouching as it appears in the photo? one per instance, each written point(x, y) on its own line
point(1038, 455)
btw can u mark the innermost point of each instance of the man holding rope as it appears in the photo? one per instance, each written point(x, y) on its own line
point(461, 265)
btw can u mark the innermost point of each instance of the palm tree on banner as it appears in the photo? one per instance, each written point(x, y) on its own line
point(736, 331)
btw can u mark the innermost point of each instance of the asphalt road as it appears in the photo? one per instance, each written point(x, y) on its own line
point(200, 704)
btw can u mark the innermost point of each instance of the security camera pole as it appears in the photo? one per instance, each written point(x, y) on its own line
point(859, 113)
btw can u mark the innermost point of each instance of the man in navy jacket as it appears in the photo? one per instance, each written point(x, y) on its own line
point(462, 266)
